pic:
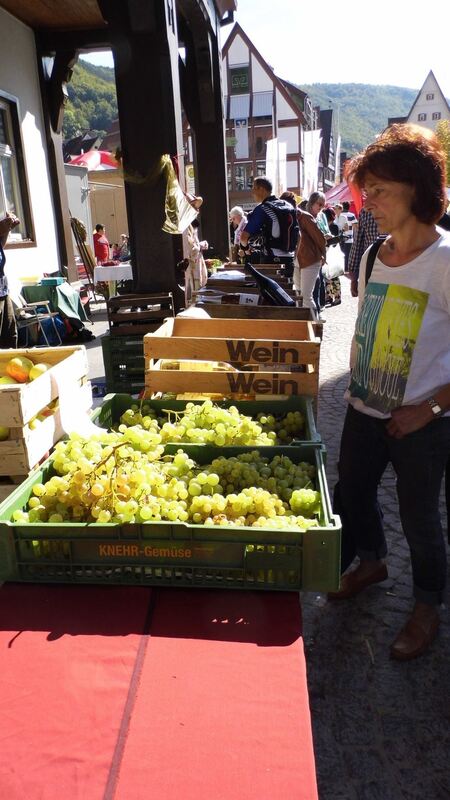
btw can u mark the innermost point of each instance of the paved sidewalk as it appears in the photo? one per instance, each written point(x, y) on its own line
point(381, 728)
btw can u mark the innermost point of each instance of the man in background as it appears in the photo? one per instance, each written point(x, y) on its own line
point(276, 220)
point(367, 232)
point(101, 245)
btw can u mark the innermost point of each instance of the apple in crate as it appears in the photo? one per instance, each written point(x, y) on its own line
point(38, 369)
point(19, 368)
point(5, 380)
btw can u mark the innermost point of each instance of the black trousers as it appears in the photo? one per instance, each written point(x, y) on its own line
point(8, 325)
point(419, 461)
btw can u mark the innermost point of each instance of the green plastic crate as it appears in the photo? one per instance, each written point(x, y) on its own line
point(123, 358)
point(174, 554)
point(114, 405)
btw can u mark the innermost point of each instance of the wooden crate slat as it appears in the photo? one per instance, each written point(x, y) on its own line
point(226, 383)
point(236, 341)
point(257, 351)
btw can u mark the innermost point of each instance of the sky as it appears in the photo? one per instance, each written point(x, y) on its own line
point(390, 42)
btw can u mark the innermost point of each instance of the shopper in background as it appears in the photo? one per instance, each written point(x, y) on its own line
point(196, 273)
point(311, 249)
point(276, 222)
point(399, 391)
point(238, 222)
point(8, 324)
point(101, 245)
point(348, 234)
point(366, 233)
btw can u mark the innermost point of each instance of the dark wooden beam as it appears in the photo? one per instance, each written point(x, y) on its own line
point(201, 84)
point(54, 94)
point(145, 46)
point(52, 40)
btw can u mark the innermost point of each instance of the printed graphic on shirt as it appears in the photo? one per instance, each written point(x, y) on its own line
point(387, 330)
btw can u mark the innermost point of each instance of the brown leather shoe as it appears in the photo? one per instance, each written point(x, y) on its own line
point(414, 638)
point(353, 583)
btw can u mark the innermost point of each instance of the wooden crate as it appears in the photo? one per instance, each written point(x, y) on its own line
point(134, 314)
point(264, 356)
point(25, 448)
point(19, 403)
point(66, 380)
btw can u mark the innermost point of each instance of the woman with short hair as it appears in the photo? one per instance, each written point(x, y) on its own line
point(399, 391)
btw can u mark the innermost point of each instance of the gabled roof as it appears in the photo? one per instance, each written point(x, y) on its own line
point(280, 85)
point(438, 88)
point(83, 143)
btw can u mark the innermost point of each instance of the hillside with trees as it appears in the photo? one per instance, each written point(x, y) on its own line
point(92, 103)
point(363, 110)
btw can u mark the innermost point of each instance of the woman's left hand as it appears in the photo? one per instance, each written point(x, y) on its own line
point(408, 419)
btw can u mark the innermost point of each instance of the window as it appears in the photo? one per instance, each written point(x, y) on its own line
point(430, 96)
point(239, 80)
point(243, 176)
point(422, 117)
point(436, 115)
point(230, 187)
point(260, 168)
point(13, 188)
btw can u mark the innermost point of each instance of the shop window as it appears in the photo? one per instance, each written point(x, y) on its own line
point(243, 177)
point(230, 187)
point(13, 187)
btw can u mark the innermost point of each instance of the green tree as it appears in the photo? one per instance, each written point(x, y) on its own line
point(443, 134)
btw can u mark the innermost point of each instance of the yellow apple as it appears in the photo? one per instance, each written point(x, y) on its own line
point(5, 380)
point(38, 370)
point(19, 368)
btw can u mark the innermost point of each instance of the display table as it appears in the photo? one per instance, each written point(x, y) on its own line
point(130, 692)
point(110, 275)
point(62, 298)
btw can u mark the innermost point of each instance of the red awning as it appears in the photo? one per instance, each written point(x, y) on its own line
point(95, 159)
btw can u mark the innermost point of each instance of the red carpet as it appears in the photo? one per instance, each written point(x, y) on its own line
point(111, 693)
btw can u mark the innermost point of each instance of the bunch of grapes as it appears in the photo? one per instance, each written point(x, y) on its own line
point(208, 423)
point(123, 477)
point(286, 427)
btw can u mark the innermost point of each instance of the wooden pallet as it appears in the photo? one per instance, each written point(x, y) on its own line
point(133, 314)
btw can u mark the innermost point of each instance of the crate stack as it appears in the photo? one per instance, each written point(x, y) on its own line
point(233, 358)
point(129, 318)
point(65, 381)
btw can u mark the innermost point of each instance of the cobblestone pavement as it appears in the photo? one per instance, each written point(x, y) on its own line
point(381, 728)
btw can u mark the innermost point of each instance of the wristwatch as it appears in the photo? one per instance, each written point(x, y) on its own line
point(435, 407)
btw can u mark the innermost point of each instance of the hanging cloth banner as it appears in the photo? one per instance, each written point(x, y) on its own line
point(180, 208)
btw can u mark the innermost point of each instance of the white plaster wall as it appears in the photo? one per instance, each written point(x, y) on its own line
point(19, 78)
point(290, 136)
point(238, 52)
point(284, 111)
point(261, 81)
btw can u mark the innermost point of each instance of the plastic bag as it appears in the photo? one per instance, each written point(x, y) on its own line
point(334, 265)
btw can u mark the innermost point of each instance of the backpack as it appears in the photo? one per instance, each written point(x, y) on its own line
point(287, 220)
